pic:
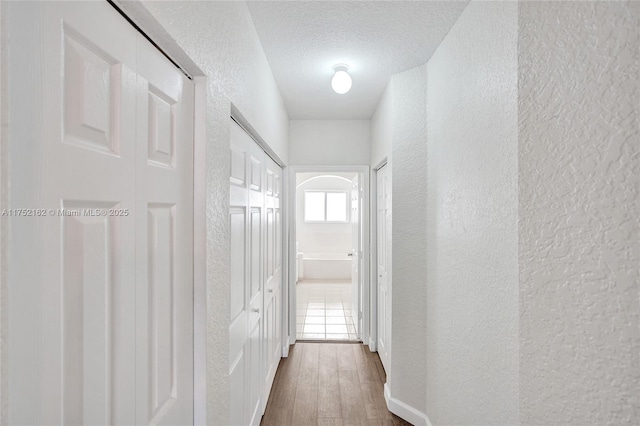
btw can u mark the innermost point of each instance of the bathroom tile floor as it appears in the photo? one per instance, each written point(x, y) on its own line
point(324, 311)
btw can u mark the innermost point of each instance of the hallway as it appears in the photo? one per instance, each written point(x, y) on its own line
point(329, 384)
point(180, 179)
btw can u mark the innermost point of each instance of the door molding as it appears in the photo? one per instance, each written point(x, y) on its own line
point(244, 124)
point(373, 232)
point(366, 251)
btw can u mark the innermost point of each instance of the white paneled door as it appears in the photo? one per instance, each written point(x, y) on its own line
point(100, 278)
point(383, 233)
point(164, 241)
point(256, 276)
point(273, 275)
point(246, 229)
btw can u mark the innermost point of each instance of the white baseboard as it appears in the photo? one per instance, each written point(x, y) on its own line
point(405, 411)
point(372, 345)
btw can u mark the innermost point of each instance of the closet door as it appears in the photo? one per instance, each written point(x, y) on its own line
point(240, 276)
point(164, 241)
point(71, 278)
point(256, 266)
point(273, 273)
point(111, 245)
point(256, 276)
point(248, 233)
point(384, 264)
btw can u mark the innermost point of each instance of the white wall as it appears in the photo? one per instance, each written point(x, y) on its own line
point(221, 39)
point(472, 228)
point(381, 128)
point(450, 128)
point(330, 142)
point(322, 237)
point(533, 216)
point(579, 181)
point(409, 147)
point(398, 133)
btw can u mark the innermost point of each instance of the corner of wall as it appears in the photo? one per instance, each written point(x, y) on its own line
point(381, 128)
point(404, 411)
point(408, 290)
point(472, 220)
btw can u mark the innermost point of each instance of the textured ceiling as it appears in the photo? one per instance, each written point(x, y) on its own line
point(303, 40)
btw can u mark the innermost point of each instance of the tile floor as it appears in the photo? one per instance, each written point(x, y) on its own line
point(324, 311)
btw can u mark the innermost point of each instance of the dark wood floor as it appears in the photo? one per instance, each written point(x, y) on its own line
point(329, 384)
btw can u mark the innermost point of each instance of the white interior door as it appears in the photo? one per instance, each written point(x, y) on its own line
point(383, 233)
point(247, 232)
point(355, 253)
point(255, 259)
point(273, 274)
point(256, 276)
point(164, 241)
point(113, 184)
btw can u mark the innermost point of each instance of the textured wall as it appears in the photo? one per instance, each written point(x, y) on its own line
point(472, 233)
point(579, 254)
point(409, 148)
point(220, 38)
point(381, 129)
point(329, 142)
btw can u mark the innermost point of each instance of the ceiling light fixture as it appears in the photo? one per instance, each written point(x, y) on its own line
point(341, 81)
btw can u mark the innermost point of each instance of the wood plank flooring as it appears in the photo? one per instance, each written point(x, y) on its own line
point(329, 384)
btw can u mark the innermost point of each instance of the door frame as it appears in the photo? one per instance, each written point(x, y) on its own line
point(144, 22)
point(365, 280)
point(373, 230)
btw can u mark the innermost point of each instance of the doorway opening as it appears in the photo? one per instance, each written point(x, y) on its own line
point(328, 255)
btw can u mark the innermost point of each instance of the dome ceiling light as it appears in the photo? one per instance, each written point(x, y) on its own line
point(341, 81)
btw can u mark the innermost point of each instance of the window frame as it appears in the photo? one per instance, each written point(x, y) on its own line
point(325, 192)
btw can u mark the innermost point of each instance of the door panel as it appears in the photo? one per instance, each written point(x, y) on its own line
point(383, 220)
point(106, 274)
point(273, 284)
point(87, 303)
point(70, 283)
point(164, 223)
point(238, 325)
point(241, 276)
point(255, 265)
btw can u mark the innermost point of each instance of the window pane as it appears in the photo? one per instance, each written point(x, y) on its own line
point(336, 206)
point(314, 206)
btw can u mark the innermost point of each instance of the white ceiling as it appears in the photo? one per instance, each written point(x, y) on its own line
point(303, 40)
